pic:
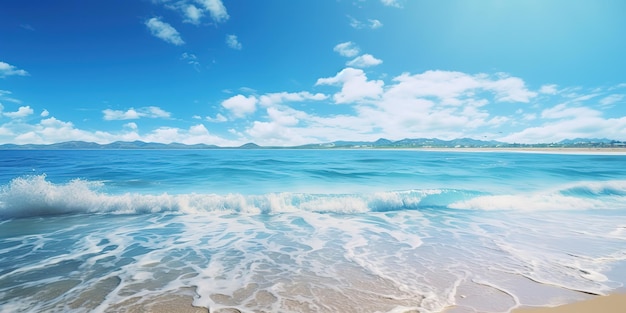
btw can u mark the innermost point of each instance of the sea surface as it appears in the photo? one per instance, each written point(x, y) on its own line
point(308, 230)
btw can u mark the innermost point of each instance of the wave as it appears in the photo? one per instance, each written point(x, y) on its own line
point(36, 196)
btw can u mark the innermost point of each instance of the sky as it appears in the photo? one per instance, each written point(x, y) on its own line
point(284, 73)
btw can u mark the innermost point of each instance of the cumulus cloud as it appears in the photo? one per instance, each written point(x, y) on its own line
point(450, 86)
point(193, 14)
point(216, 9)
point(164, 31)
point(7, 69)
point(196, 134)
point(49, 130)
point(20, 113)
point(347, 49)
point(233, 42)
point(44, 113)
point(354, 86)
point(53, 130)
point(131, 125)
point(365, 60)
point(132, 113)
point(510, 89)
point(240, 105)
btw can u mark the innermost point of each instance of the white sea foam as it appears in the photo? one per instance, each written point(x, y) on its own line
point(301, 261)
point(36, 196)
point(580, 196)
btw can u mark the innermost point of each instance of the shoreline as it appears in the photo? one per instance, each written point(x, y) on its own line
point(546, 150)
point(613, 303)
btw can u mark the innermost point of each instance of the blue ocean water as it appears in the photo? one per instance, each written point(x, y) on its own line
point(308, 230)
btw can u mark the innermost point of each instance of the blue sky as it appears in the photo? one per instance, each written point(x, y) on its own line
point(279, 72)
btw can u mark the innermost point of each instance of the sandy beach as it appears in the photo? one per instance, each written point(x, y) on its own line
point(615, 303)
point(547, 150)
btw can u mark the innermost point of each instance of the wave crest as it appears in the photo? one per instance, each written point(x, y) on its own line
point(36, 196)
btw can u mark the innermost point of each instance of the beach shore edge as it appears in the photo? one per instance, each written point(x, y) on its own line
point(614, 303)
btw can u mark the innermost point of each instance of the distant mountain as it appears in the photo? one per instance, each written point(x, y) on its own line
point(381, 143)
point(250, 145)
point(416, 143)
point(585, 141)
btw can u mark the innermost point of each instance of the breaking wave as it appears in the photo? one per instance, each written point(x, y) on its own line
point(36, 196)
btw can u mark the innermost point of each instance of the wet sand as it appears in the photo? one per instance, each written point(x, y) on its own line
point(615, 303)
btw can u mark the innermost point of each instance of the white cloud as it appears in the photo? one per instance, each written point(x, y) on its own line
point(233, 42)
point(216, 8)
point(196, 134)
point(374, 23)
point(44, 113)
point(191, 59)
point(193, 14)
point(280, 97)
point(562, 111)
point(4, 97)
point(194, 10)
point(112, 115)
point(7, 69)
point(510, 89)
point(611, 99)
point(365, 60)
point(131, 125)
point(548, 89)
point(132, 113)
point(391, 3)
point(450, 86)
point(578, 127)
point(371, 23)
point(355, 86)
point(155, 112)
point(20, 113)
point(354, 23)
point(286, 117)
point(240, 105)
point(164, 31)
point(52, 130)
point(219, 118)
point(347, 49)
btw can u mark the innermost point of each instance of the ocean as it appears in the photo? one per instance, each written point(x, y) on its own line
point(308, 230)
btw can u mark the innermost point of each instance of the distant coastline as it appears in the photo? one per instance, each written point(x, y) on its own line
point(431, 144)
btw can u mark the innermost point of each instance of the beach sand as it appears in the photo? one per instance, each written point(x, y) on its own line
point(545, 150)
point(615, 303)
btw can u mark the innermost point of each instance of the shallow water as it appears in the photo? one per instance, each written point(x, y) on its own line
point(308, 231)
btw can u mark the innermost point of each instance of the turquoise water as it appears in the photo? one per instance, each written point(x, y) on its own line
point(308, 230)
